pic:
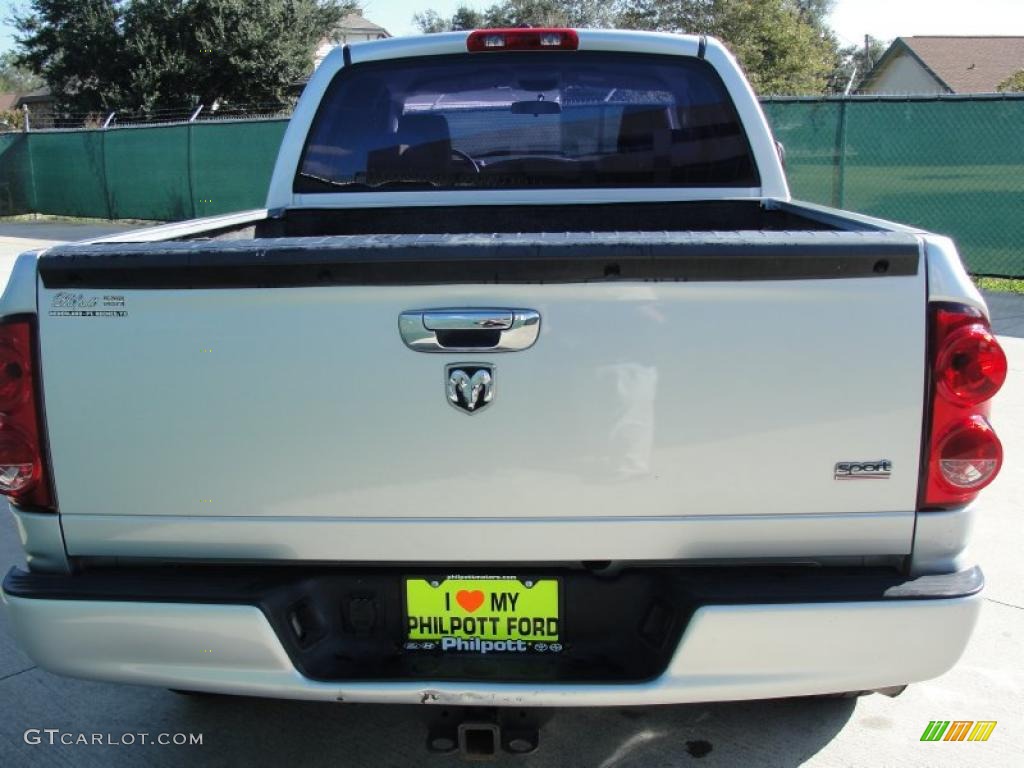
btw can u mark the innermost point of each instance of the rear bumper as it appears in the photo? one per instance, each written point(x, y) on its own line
point(726, 650)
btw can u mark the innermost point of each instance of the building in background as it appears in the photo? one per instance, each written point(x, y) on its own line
point(40, 103)
point(934, 65)
point(12, 109)
point(353, 28)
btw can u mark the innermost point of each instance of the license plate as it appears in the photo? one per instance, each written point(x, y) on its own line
point(482, 614)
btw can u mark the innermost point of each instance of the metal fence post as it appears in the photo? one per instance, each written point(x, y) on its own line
point(34, 202)
point(189, 169)
point(104, 179)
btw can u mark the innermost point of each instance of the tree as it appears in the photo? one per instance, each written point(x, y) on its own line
point(784, 46)
point(163, 55)
point(1013, 84)
point(143, 55)
point(553, 13)
point(185, 52)
point(11, 120)
point(76, 47)
point(855, 63)
point(463, 18)
point(816, 12)
point(518, 13)
point(430, 21)
point(15, 78)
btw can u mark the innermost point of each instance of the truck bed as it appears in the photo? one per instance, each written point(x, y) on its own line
point(689, 216)
point(680, 216)
point(698, 240)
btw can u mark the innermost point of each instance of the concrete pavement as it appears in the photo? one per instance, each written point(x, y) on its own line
point(20, 236)
point(987, 684)
point(1007, 310)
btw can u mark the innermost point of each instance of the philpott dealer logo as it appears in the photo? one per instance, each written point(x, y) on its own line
point(959, 730)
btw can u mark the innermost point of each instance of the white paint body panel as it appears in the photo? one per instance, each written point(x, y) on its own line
point(947, 278)
point(488, 539)
point(666, 401)
point(726, 653)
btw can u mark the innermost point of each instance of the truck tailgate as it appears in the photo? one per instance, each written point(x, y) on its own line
point(687, 396)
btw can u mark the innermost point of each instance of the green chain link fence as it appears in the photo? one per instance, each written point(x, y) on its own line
point(163, 173)
point(950, 164)
point(15, 175)
point(953, 165)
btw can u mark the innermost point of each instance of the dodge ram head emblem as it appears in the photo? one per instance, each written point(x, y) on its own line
point(470, 386)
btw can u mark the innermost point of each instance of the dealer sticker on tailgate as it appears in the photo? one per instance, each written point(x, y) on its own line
point(482, 614)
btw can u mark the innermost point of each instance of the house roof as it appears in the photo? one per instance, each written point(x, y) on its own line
point(40, 95)
point(960, 64)
point(7, 101)
point(354, 22)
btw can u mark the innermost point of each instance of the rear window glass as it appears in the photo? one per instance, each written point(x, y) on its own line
point(526, 119)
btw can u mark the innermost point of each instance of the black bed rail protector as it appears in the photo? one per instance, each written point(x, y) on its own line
point(481, 259)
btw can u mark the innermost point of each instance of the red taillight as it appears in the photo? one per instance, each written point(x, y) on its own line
point(539, 39)
point(967, 369)
point(971, 366)
point(969, 456)
point(23, 474)
point(20, 468)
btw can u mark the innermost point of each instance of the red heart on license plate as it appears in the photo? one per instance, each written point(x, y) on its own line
point(470, 599)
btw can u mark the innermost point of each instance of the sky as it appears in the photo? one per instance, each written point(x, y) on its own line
point(851, 19)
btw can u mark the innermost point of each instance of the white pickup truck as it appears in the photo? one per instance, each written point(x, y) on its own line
point(531, 386)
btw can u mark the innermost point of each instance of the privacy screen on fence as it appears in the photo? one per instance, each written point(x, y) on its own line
point(950, 165)
point(163, 173)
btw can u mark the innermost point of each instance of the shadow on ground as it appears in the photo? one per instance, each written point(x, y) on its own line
point(1007, 311)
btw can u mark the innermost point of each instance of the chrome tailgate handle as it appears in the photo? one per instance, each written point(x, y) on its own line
point(468, 319)
point(469, 330)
